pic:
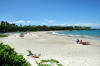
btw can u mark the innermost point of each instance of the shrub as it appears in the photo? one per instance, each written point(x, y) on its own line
point(8, 57)
point(3, 35)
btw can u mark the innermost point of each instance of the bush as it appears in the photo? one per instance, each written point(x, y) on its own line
point(3, 35)
point(8, 57)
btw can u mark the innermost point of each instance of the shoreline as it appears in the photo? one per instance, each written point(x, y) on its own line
point(75, 36)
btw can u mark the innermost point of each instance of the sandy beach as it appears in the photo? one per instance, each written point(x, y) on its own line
point(62, 48)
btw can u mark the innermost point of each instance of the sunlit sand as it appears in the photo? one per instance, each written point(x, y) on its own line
point(62, 48)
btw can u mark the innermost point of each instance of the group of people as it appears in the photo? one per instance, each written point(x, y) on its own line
point(81, 42)
point(21, 34)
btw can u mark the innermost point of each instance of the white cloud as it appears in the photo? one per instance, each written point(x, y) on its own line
point(89, 24)
point(60, 24)
point(21, 21)
point(77, 24)
point(64, 24)
point(28, 21)
point(49, 21)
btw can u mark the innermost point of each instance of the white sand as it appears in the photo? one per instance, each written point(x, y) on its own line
point(62, 48)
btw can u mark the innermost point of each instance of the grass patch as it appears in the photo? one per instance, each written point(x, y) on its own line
point(49, 62)
point(3, 35)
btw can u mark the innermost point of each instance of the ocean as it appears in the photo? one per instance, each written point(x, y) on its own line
point(92, 34)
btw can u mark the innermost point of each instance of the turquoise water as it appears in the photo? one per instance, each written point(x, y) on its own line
point(82, 33)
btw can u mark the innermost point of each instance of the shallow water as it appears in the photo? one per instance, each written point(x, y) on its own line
point(93, 34)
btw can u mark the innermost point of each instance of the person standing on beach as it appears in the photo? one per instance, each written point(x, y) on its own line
point(77, 40)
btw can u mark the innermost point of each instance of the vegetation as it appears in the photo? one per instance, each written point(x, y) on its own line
point(3, 35)
point(51, 61)
point(7, 27)
point(8, 57)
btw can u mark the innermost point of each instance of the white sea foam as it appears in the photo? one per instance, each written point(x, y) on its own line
point(54, 33)
point(78, 36)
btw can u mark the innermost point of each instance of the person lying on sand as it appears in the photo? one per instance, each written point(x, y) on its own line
point(32, 55)
point(84, 43)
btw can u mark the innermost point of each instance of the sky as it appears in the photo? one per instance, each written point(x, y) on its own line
point(51, 12)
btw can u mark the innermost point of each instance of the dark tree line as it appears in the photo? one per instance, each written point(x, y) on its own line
point(7, 27)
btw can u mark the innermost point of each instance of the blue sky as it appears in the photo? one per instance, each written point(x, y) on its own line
point(51, 12)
